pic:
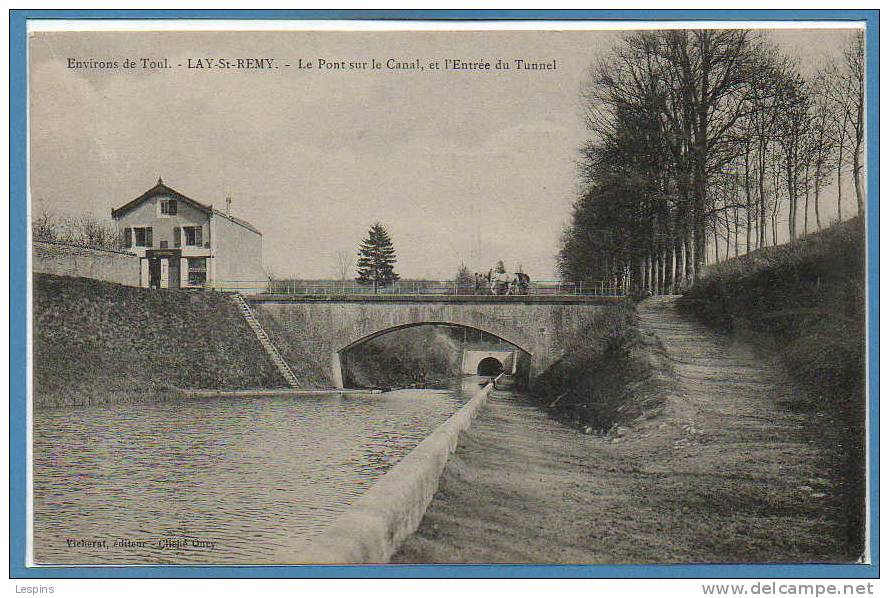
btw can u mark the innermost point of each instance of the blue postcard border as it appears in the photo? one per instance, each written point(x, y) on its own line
point(18, 324)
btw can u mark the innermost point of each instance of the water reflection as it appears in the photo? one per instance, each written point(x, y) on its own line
point(216, 480)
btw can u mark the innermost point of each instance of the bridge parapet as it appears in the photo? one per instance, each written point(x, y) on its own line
point(465, 299)
point(435, 287)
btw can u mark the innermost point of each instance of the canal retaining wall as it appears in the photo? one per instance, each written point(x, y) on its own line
point(373, 528)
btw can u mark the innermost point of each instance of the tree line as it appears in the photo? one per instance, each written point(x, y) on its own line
point(698, 141)
point(86, 230)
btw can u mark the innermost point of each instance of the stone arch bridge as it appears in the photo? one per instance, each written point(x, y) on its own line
point(327, 326)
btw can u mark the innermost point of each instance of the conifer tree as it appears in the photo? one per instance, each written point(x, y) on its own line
point(376, 258)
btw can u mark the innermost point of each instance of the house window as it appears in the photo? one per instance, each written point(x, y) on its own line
point(142, 236)
point(197, 271)
point(193, 235)
point(169, 207)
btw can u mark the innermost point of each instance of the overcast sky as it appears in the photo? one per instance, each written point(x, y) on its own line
point(465, 166)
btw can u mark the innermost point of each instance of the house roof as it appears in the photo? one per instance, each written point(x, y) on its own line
point(161, 189)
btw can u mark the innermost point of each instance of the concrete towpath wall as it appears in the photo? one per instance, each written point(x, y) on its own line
point(373, 528)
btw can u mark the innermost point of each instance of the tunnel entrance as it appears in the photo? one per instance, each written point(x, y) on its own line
point(490, 366)
point(427, 355)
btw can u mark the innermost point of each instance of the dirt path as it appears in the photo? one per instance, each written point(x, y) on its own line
point(726, 472)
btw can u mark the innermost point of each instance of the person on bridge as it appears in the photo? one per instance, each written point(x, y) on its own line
point(520, 284)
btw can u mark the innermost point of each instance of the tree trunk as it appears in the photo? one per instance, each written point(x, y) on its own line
point(652, 260)
point(817, 194)
point(650, 274)
point(662, 273)
point(728, 235)
point(859, 140)
point(791, 197)
point(806, 215)
point(716, 241)
point(700, 218)
point(856, 179)
point(737, 226)
point(683, 265)
point(840, 183)
point(761, 241)
point(673, 270)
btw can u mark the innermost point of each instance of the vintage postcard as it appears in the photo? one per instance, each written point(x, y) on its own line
point(427, 292)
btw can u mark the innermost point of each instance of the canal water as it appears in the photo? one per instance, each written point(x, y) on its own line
point(231, 480)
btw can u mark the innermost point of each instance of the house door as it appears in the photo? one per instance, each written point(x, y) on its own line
point(173, 269)
point(154, 273)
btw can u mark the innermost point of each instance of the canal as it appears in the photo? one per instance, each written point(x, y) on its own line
point(230, 480)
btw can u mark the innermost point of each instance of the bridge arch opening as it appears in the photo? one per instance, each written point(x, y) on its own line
point(489, 366)
point(425, 354)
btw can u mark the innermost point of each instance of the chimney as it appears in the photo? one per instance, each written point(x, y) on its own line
point(228, 206)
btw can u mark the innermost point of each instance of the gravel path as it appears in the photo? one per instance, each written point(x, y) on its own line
point(727, 471)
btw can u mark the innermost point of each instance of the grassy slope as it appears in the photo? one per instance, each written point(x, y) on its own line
point(98, 341)
point(610, 375)
point(810, 296)
point(804, 303)
point(310, 366)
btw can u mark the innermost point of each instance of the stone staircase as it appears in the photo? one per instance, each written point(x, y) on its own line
point(265, 341)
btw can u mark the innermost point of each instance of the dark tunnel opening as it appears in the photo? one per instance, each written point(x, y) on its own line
point(489, 366)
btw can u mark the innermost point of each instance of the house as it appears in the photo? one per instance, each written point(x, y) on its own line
point(183, 243)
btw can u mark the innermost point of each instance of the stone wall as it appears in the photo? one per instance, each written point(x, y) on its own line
point(63, 259)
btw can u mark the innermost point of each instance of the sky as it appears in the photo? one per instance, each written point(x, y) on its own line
point(464, 166)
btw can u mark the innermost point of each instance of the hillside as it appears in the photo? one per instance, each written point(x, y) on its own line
point(102, 342)
point(610, 375)
point(809, 296)
point(803, 303)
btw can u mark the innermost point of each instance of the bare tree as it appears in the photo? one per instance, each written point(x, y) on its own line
point(88, 230)
point(45, 226)
point(844, 84)
point(84, 230)
point(822, 148)
point(697, 139)
point(792, 134)
point(344, 260)
point(854, 56)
